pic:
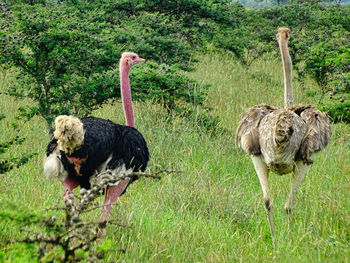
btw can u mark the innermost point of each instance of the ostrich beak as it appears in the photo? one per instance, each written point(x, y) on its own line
point(140, 60)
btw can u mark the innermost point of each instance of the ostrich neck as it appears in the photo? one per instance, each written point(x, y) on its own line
point(126, 96)
point(287, 72)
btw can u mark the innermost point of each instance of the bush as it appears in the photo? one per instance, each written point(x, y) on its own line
point(338, 111)
point(67, 51)
point(67, 58)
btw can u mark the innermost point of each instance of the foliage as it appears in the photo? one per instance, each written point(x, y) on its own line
point(341, 62)
point(204, 120)
point(68, 51)
point(215, 205)
point(49, 239)
point(163, 84)
point(71, 239)
point(326, 63)
point(8, 163)
point(63, 62)
point(67, 57)
point(319, 45)
point(195, 22)
point(338, 110)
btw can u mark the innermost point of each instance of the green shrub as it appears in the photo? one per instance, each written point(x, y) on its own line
point(338, 111)
point(67, 58)
point(68, 51)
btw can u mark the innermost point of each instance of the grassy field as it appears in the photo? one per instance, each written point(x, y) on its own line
point(212, 211)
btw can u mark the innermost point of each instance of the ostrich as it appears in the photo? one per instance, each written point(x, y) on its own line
point(82, 147)
point(282, 140)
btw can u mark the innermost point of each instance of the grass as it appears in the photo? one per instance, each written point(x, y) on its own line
point(212, 211)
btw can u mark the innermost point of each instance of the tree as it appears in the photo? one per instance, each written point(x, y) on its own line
point(67, 57)
point(64, 65)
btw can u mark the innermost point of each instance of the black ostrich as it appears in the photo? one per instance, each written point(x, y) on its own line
point(82, 147)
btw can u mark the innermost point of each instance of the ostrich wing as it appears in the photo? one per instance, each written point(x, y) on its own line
point(247, 134)
point(318, 133)
point(131, 149)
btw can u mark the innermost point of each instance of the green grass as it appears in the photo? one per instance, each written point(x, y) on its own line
point(212, 211)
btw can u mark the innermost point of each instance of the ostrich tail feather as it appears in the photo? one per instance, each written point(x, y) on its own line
point(284, 128)
point(53, 167)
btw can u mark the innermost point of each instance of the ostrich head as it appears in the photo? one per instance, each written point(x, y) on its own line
point(129, 59)
point(283, 34)
point(69, 133)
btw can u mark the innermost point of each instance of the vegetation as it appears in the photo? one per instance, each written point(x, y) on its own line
point(8, 163)
point(67, 58)
point(67, 52)
point(214, 206)
point(70, 239)
point(207, 62)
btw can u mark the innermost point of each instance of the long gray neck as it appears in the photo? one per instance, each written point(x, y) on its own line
point(287, 72)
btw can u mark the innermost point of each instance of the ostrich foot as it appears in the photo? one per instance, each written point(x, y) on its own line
point(300, 171)
point(308, 161)
point(112, 193)
point(263, 175)
point(66, 195)
point(101, 232)
point(288, 208)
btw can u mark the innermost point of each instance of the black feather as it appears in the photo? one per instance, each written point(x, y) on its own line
point(103, 138)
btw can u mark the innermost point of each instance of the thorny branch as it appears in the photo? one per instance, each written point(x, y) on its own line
point(73, 234)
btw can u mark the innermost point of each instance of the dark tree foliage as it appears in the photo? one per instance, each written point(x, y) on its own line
point(68, 56)
point(319, 48)
point(68, 51)
point(66, 62)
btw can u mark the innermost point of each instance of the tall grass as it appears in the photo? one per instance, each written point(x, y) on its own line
point(212, 211)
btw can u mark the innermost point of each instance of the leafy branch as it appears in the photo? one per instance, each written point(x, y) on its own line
point(73, 234)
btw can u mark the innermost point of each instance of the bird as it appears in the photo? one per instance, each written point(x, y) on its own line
point(282, 140)
point(81, 148)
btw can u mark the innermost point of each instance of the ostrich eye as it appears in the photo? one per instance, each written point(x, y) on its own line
point(133, 57)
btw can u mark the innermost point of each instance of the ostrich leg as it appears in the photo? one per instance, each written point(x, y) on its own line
point(69, 184)
point(300, 171)
point(263, 174)
point(112, 193)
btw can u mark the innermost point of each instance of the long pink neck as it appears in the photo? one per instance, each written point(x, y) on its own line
point(126, 95)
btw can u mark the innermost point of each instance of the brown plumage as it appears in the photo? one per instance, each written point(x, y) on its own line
point(318, 133)
point(247, 135)
point(283, 135)
point(282, 140)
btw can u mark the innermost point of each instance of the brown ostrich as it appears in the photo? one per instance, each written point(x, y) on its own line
point(282, 140)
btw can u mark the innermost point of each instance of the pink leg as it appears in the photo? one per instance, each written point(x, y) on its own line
point(112, 193)
point(69, 184)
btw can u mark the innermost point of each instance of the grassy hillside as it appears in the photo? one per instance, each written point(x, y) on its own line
point(212, 211)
